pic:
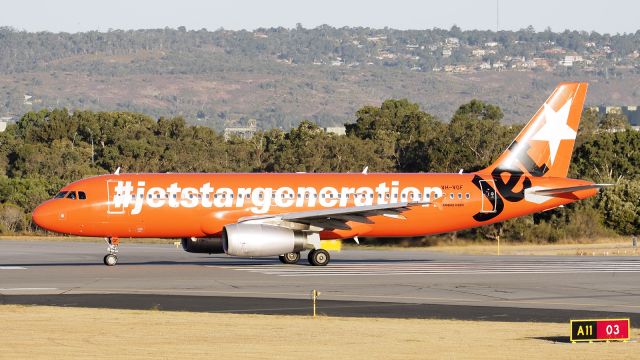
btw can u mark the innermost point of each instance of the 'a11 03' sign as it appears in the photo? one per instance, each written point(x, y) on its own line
point(600, 330)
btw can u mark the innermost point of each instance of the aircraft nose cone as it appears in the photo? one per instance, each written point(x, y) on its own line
point(43, 216)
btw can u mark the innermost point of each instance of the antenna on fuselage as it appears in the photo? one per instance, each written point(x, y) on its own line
point(117, 171)
point(365, 170)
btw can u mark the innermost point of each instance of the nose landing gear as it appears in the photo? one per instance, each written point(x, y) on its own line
point(112, 248)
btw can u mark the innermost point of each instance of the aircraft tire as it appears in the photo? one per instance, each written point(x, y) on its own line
point(110, 260)
point(319, 257)
point(290, 258)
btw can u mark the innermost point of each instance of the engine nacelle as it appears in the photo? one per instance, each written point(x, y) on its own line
point(262, 240)
point(202, 245)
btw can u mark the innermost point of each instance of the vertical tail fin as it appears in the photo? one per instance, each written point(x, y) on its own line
point(544, 146)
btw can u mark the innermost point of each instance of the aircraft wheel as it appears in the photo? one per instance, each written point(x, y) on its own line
point(110, 260)
point(290, 258)
point(319, 257)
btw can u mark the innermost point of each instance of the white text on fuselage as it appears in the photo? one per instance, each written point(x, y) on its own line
point(123, 195)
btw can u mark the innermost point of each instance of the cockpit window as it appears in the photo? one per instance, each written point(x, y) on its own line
point(82, 195)
point(71, 195)
point(60, 195)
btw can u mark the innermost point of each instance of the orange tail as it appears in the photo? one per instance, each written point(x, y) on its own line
point(544, 146)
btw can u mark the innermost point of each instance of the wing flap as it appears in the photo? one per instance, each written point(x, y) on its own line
point(337, 218)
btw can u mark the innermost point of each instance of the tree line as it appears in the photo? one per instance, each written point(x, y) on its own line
point(47, 149)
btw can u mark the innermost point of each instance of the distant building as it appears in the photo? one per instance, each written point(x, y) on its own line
point(446, 52)
point(498, 65)
point(569, 60)
point(338, 130)
point(3, 126)
point(478, 52)
point(453, 42)
point(245, 132)
point(631, 112)
point(377, 38)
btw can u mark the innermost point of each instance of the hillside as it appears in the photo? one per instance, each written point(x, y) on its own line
point(282, 76)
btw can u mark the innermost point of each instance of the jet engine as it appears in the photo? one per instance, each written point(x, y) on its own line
point(263, 240)
point(202, 245)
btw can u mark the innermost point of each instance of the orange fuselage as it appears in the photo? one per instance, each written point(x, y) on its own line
point(200, 205)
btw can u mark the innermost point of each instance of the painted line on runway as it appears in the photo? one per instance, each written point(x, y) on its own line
point(457, 268)
point(26, 289)
point(12, 268)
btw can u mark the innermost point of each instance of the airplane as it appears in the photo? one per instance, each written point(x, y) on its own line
point(269, 214)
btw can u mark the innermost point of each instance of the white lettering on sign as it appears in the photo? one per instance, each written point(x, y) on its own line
point(125, 196)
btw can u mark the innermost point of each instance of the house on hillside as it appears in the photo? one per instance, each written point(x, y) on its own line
point(338, 130)
point(244, 132)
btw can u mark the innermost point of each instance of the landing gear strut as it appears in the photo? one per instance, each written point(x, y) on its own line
point(290, 258)
point(319, 257)
point(112, 248)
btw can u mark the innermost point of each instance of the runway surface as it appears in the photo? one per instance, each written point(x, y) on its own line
point(398, 283)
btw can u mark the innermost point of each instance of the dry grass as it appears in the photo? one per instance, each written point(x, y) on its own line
point(580, 249)
point(74, 333)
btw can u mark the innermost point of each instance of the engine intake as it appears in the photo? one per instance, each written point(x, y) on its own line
point(262, 240)
point(202, 245)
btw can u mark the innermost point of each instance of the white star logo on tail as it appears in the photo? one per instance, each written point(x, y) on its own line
point(555, 128)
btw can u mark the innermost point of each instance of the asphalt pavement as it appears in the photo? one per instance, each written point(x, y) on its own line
point(371, 283)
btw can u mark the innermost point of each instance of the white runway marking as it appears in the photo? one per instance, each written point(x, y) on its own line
point(448, 268)
point(12, 268)
point(26, 289)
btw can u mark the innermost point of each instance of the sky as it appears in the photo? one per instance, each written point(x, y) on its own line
point(611, 16)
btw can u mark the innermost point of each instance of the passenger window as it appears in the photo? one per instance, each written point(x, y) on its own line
point(459, 195)
point(82, 195)
point(71, 195)
point(467, 196)
point(451, 195)
point(60, 195)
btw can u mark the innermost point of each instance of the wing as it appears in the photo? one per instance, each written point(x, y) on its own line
point(337, 218)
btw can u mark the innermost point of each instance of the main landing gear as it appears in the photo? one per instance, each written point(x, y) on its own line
point(112, 248)
point(317, 257)
point(290, 258)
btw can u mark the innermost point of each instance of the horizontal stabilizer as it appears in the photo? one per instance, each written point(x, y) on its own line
point(566, 190)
